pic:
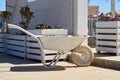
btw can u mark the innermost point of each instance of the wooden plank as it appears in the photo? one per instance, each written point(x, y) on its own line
point(18, 37)
point(112, 37)
point(1, 50)
point(108, 43)
point(30, 39)
point(1, 40)
point(114, 50)
point(36, 57)
point(107, 30)
point(1, 35)
point(108, 24)
point(20, 54)
point(15, 47)
point(15, 42)
point(1, 45)
point(37, 51)
point(30, 44)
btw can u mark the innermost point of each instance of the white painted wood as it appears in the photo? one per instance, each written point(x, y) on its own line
point(37, 51)
point(107, 30)
point(108, 27)
point(30, 39)
point(15, 42)
point(18, 37)
point(35, 57)
point(114, 50)
point(20, 54)
point(49, 31)
point(1, 45)
point(108, 43)
point(1, 40)
point(1, 35)
point(32, 44)
point(15, 47)
point(1, 50)
point(111, 37)
point(108, 24)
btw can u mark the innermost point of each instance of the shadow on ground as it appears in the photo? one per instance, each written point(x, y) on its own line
point(104, 54)
point(35, 68)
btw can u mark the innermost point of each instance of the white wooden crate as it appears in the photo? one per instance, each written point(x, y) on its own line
point(25, 46)
point(108, 36)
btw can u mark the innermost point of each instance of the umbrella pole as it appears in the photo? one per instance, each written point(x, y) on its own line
point(112, 8)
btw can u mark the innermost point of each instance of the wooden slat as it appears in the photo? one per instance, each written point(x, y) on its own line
point(1, 45)
point(37, 51)
point(1, 35)
point(107, 31)
point(30, 44)
point(108, 24)
point(1, 40)
point(21, 43)
point(114, 50)
point(18, 37)
point(20, 54)
point(30, 39)
point(113, 37)
point(15, 47)
point(36, 57)
point(108, 43)
point(1, 50)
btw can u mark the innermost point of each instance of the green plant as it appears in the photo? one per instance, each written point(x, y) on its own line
point(6, 16)
point(5, 19)
point(26, 15)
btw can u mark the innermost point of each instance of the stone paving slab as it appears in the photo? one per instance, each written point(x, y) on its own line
point(12, 68)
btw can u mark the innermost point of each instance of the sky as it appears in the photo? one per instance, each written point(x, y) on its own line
point(104, 5)
point(2, 5)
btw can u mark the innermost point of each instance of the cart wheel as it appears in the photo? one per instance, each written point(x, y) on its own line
point(82, 56)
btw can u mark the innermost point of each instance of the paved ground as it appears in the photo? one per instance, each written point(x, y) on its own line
point(12, 68)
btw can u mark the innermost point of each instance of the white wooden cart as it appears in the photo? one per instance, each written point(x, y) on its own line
point(81, 55)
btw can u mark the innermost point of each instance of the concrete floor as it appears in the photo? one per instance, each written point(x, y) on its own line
point(12, 68)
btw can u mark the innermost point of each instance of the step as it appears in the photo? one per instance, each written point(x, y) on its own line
point(107, 60)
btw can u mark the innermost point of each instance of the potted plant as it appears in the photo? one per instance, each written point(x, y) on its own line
point(5, 19)
point(26, 15)
point(44, 29)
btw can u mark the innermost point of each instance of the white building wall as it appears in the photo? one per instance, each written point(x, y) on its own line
point(60, 13)
point(80, 17)
point(56, 12)
point(15, 6)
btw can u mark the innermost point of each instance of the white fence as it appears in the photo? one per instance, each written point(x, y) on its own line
point(1, 43)
point(23, 46)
